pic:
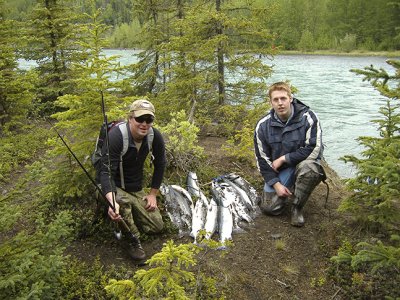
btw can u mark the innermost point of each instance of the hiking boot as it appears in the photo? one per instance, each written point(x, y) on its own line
point(136, 251)
point(275, 206)
point(297, 218)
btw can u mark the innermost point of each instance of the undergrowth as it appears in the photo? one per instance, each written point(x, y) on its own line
point(17, 149)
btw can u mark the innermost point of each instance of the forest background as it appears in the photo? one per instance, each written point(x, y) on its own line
point(304, 25)
point(200, 64)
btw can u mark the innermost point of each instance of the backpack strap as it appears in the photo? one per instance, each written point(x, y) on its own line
point(150, 138)
point(125, 143)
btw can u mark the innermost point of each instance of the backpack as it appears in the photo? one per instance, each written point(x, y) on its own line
point(96, 156)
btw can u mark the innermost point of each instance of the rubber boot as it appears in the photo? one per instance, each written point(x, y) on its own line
point(308, 176)
point(297, 218)
point(271, 204)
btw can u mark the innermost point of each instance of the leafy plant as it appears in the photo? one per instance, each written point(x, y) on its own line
point(81, 115)
point(348, 43)
point(16, 87)
point(378, 256)
point(306, 42)
point(241, 145)
point(375, 198)
point(181, 136)
point(368, 269)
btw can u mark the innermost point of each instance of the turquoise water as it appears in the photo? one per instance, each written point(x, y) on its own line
point(343, 102)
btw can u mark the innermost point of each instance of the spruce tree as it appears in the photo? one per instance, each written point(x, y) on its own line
point(375, 200)
point(51, 34)
point(81, 116)
point(209, 54)
point(16, 86)
point(376, 197)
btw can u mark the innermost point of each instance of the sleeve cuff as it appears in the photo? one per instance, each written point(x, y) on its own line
point(287, 159)
point(273, 181)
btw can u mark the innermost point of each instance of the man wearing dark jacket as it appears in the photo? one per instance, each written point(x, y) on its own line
point(138, 209)
point(288, 148)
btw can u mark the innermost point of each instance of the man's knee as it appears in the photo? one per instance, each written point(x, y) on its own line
point(311, 169)
point(271, 204)
point(155, 226)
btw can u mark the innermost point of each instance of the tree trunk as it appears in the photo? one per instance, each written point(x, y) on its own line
point(220, 61)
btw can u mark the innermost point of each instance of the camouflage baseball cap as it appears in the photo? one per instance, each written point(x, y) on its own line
point(142, 107)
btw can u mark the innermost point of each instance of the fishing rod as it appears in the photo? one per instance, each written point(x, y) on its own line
point(121, 221)
point(105, 123)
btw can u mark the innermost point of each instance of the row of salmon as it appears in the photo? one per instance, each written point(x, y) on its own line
point(231, 206)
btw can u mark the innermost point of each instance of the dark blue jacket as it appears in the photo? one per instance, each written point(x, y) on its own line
point(299, 139)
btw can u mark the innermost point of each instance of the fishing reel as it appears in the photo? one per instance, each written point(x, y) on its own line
point(118, 234)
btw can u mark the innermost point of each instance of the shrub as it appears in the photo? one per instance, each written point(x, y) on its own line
point(241, 145)
point(170, 277)
point(306, 42)
point(348, 43)
point(32, 264)
point(181, 143)
point(375, 198)
point(82, 281)
point(20, 148)
point(368, 270)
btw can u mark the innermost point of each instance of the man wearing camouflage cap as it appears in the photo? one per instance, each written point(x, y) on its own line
point(137, 208)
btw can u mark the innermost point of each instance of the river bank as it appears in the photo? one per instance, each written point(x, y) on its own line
point(394, 54)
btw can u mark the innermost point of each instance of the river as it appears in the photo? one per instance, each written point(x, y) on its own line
point(343, 102)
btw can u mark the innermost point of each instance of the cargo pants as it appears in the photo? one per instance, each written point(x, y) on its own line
point(138, 219)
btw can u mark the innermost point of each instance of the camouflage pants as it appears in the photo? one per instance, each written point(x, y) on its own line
point(132, 210)
point(309, 173)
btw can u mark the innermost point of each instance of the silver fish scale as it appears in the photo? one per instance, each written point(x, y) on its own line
point(178, 209)
point(192, 185)
point(246, 186)
point(211, 219)
point(185, 202)
point(173, 209)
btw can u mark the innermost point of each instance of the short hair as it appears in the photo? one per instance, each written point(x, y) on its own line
point(279, 86)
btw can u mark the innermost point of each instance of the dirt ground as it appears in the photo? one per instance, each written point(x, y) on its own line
point(272, 259)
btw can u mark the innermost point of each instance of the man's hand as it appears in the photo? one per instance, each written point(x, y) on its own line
point(151, 202)
point(277, 163)
point(114, 215)
point(281, 190)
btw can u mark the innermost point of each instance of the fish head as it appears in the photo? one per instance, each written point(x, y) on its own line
point(164, 190)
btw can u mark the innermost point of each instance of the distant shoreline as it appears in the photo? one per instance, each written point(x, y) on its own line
point(391, 54)
point(394, 54)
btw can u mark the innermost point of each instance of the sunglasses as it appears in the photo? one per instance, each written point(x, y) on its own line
point(145, 118)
